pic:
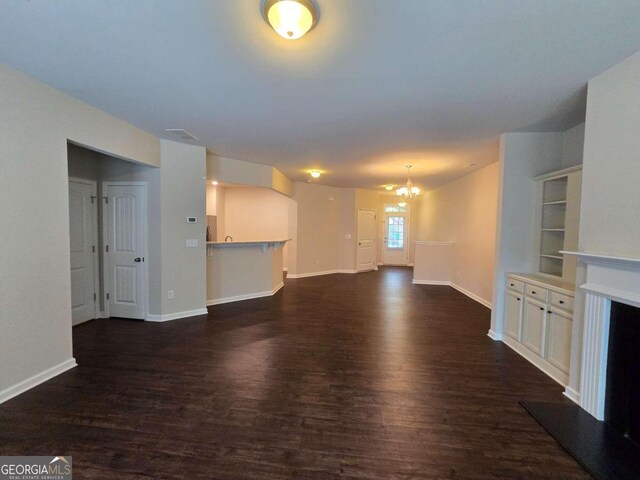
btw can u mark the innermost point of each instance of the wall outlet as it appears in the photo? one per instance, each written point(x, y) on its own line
point(170, 294)
point(192, 242)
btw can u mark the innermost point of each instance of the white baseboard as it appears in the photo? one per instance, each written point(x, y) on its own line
point(317, 274)
point(472, 296)
point(246, 296)
point(572, 395)
point(176, 316)
point(36, 380)
point(553, 372)
point(431, 282)
point(495, 336)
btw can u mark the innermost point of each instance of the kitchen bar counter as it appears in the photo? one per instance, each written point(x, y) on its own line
point(243, 270)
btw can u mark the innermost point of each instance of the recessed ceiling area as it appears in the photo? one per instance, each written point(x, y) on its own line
point(374, 86)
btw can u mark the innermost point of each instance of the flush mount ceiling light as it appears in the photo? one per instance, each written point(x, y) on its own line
point(389, 187)
point(315, 173)
point(409, 192)
point(290, 19)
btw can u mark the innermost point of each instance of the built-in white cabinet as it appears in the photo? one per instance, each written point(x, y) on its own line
point(513, 314)
point(558, 213)
point(560, 325)
point(539, 320)
point(534, 325)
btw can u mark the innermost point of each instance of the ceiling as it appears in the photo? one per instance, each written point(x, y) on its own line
point(375, 85)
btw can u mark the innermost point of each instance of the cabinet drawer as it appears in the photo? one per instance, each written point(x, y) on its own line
point(515, 285)
point(561, 301)
point(536, 292)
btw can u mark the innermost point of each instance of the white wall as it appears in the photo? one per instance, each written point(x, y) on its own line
point(573, 146)
point(36, 121)
point(523, 156)
point(609, 219)
point(464, 212)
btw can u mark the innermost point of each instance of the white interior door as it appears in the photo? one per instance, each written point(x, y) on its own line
point(366, 251)
point(396, 230)
point(125, 206)
point(83, 240)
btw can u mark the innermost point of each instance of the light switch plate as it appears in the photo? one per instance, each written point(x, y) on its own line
point(192, 242)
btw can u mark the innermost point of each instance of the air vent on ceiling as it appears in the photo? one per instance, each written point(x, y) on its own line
point(181, 134)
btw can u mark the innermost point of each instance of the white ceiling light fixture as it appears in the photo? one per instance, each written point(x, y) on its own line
point(315, 173)
point(291, 19)
point(409, 192)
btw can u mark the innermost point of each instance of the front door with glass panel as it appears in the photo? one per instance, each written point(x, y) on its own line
point(395, 236)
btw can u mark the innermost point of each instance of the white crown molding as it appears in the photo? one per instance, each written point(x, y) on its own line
point(36, 380)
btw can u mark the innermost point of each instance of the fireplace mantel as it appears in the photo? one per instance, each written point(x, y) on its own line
point(609, 278)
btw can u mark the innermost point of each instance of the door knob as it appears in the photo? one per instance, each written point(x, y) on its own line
point(137, 259)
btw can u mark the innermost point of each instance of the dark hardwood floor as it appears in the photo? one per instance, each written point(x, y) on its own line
point(336, 377)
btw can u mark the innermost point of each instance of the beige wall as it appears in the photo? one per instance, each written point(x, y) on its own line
point(325, 215)
point(464, 212)
point(36, 121)
point(229, 170)
point(183, 195)
point(252, 213)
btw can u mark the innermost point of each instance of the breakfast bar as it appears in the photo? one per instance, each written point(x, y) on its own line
point(243, 270)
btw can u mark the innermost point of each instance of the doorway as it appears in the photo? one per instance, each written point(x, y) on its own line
point(108, 222)
point(395, 250)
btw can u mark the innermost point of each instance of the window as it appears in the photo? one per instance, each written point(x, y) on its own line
point(394, 209)
point(395, 232)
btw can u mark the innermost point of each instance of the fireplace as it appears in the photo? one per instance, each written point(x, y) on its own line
point(622, 394)
point(612, 286)
point(602, 432)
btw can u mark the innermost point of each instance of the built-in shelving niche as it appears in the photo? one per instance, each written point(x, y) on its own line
point(554, 208)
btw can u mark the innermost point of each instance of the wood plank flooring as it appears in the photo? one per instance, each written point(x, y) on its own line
point(336, 377)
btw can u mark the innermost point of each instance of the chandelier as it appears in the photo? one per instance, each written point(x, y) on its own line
point(409, 192)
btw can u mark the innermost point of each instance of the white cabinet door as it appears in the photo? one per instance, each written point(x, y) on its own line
point(559, 339)
point(513, 318)
point(534, 325)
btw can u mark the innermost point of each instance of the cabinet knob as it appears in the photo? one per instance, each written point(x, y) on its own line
point(512, 285)
point(533, 292)
point(542, 308)
point(561, 302)
point(549, 311)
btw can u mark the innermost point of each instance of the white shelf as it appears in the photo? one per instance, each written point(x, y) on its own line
point(553, 229)
point(557, 257)
point(558, 202)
